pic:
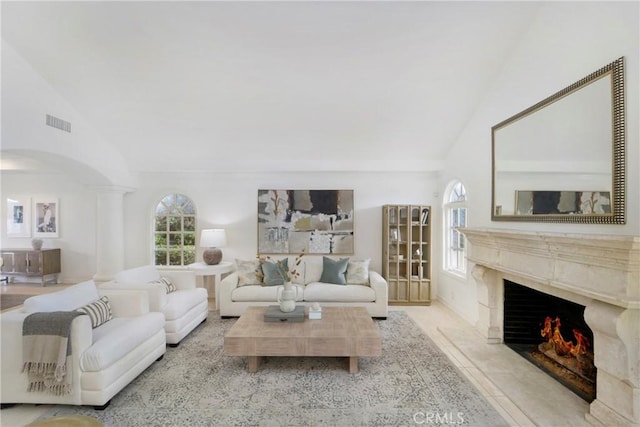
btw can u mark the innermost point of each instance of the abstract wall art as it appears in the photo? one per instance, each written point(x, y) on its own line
point(309, 221)
point(18, 217)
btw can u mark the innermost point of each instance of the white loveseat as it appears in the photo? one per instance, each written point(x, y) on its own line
point(103, 359)
point(372, 294)
point(183, 309)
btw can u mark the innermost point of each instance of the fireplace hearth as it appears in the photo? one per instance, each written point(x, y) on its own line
point(551, 333)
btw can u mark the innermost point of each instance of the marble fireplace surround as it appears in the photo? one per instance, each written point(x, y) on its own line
point(600, 272)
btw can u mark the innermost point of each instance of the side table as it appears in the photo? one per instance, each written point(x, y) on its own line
point(205, 270)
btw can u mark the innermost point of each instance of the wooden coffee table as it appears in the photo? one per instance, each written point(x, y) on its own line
point(342, 332)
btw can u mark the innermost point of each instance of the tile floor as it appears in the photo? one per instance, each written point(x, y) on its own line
point(524, 395)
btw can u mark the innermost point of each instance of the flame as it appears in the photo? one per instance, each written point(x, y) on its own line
point(582, 343)
point(577, 355)
point(551, 332)
point(547, 332)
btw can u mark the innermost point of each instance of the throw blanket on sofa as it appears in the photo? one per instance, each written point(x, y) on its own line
point(45, 348)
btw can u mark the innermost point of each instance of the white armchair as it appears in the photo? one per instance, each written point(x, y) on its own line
point(183, 309)
point(103, 359)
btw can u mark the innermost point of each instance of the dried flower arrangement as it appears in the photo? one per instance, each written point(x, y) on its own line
point(287, 273)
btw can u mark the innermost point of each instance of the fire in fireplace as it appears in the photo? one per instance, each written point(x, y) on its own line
point(551, 333)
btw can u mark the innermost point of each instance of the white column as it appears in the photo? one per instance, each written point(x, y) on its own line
point(110, 232)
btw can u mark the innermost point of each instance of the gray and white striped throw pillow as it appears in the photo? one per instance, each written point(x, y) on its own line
point(168, 283)
point(98, 311)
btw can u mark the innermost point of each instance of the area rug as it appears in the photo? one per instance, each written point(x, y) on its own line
point(412, 383)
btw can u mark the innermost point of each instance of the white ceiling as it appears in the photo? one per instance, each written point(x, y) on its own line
point(271, 85)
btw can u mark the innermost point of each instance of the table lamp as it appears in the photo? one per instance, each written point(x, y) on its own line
point(212, 239)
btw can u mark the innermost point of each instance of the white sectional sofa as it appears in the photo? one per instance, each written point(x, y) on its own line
point(103, 359)
point(372, 294)
point(183, 309)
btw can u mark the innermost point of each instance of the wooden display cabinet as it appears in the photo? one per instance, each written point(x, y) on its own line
point(406, 253)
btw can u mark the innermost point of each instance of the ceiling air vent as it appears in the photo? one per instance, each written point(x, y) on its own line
point(58, 123)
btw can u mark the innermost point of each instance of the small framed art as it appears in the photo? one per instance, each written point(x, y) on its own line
point(46, 218)
point(18, 217)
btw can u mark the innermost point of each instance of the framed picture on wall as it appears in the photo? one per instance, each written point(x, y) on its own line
point(309, 221)
point(18, 217)
point(46, 218)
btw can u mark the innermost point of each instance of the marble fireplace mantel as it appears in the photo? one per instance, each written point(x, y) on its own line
point(601, 272)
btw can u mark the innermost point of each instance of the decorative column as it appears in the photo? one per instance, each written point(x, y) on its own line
point(110, 232)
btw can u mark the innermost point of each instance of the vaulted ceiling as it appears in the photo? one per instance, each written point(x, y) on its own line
point(267, 86)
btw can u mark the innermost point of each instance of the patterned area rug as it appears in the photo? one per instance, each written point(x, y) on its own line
point(413, 382)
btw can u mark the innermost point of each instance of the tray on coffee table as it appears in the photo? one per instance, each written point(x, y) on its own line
point(274, 314)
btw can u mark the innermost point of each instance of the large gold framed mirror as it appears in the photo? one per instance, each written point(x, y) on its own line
point(563, 159)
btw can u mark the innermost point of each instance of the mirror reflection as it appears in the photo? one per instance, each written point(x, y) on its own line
point(560, 160)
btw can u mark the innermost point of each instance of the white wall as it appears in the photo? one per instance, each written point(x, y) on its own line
point(566, 42)
point(225, 200)
point(26, 99)
point(230, 201)
point(77, 220)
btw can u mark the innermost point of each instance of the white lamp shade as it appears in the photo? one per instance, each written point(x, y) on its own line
point(213, 238)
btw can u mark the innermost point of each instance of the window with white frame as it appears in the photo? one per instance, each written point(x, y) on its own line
point(175, 231)
point(455, 214)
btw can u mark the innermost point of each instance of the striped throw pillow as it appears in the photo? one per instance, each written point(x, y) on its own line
point(98, 311)
point(168, 284)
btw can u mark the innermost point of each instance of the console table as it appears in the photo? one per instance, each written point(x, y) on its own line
point(44, 263)
point(204, 270)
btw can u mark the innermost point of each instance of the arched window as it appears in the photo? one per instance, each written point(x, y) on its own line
point(455, 215)
point(175, 231)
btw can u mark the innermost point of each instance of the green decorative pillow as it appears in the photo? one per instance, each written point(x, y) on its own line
point(334, 271)
point(249, 272)
point(275, 272)
point(358, 272)
point(98, 311)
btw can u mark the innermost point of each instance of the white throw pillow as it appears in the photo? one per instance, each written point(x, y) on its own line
point(358, 272)
point(248, 272)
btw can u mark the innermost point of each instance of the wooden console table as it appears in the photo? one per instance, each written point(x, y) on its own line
point(44, 263)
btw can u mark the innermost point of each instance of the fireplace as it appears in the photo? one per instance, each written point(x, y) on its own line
point(551, 333)
point(598, 272)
